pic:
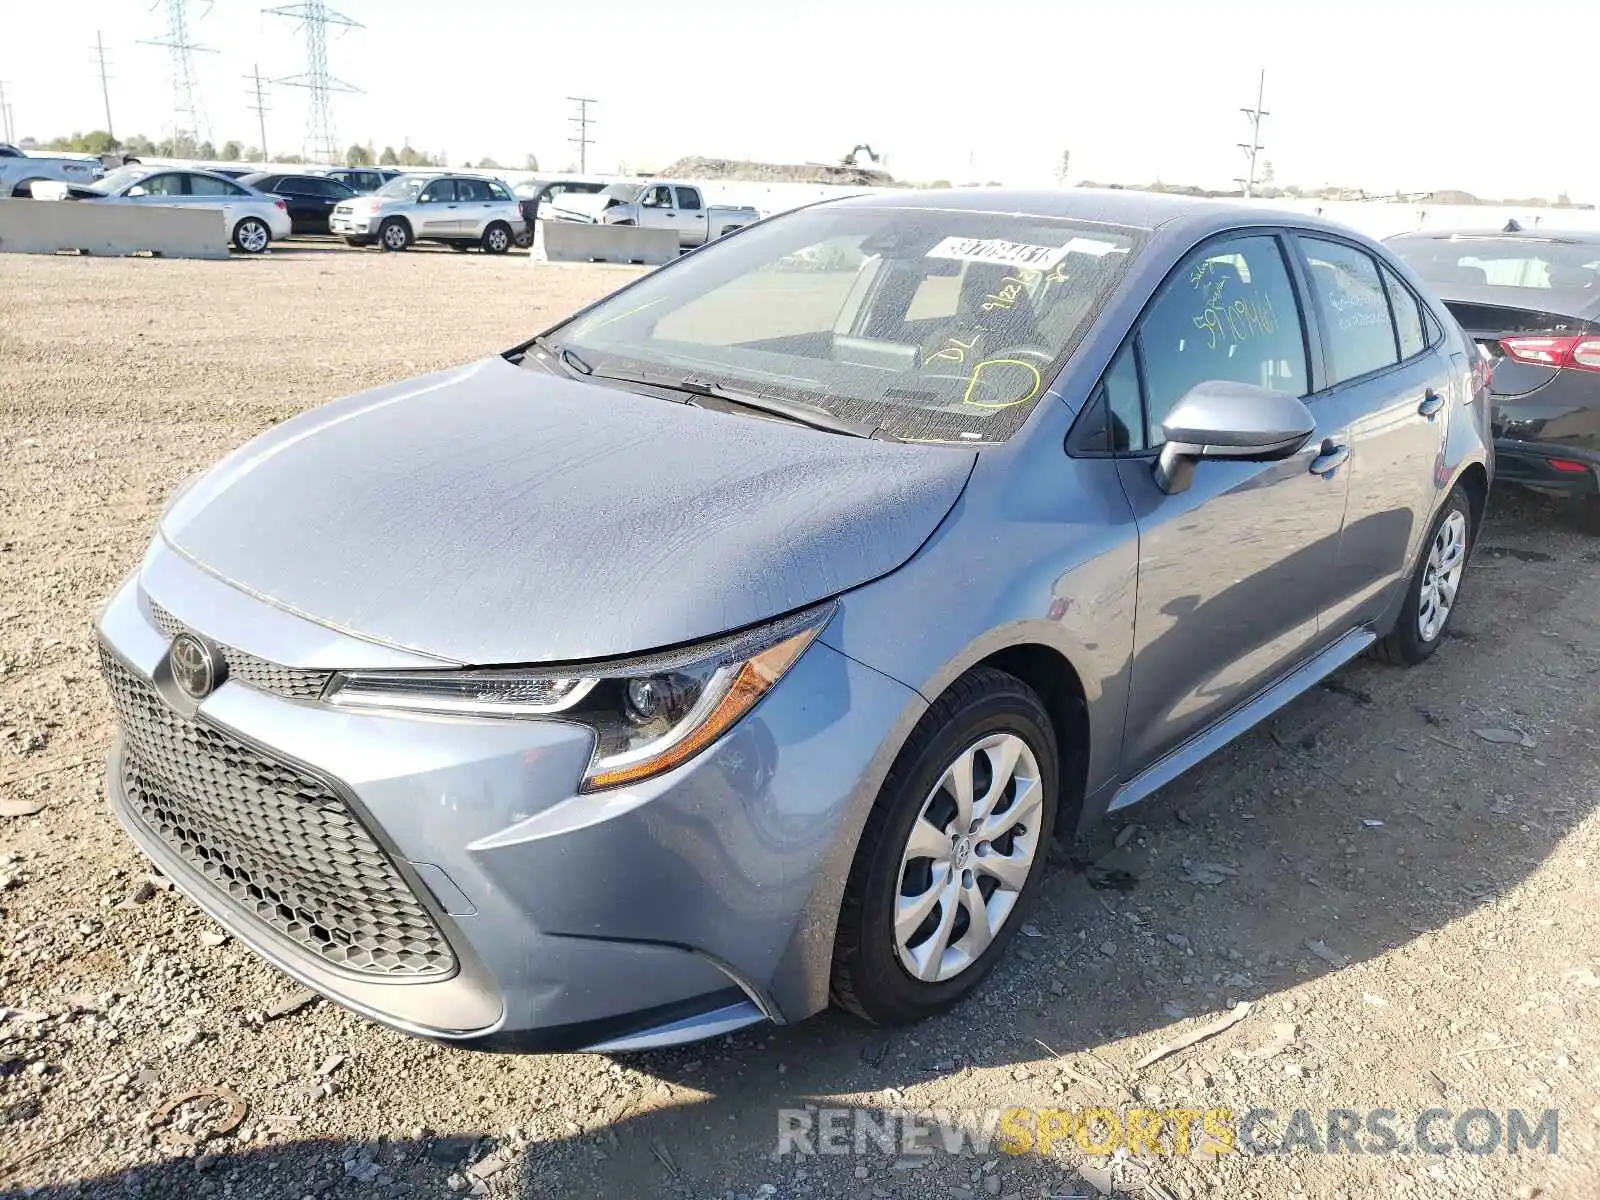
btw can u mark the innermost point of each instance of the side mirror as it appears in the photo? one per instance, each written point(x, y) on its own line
point(1219, 419)
point(136, 190)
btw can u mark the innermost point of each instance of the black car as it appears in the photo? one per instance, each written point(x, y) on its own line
point(310, 197)
point(1531, 298)
point(364, 180)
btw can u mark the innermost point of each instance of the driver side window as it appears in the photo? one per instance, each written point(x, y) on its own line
point(1228, 313)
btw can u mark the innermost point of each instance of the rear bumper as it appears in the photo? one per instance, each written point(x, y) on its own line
point(1528, 464)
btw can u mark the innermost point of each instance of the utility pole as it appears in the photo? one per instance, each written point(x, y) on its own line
point(259, 108)
point(5, 114)
point(315, 16)
point(1254, 147)
point(189, 127)
point(582, 141)
point(105, 87)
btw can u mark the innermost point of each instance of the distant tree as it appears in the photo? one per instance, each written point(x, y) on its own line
point(1065, 167)
point(409, 157)
point(139, 146)
point(231, 151)
point(488, 164)
point(357, 156)
point(205, 150)
point(289, 159)
point(466, 166)
point(530, 162)
point(250, 154)
point(940, 183)
point(388, 158)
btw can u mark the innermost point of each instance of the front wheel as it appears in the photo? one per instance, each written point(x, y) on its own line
point(252, 236)
point(1435, 586)
point(394, 235)
point(951, 852)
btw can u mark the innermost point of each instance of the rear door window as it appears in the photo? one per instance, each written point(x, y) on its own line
point(1228, 313)
point(1352, 309)
point(1407, 311)
point(440, 191)
point(471, 190)
point(689, 199)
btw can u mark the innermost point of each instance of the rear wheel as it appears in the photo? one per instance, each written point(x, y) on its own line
point(252, 236)
point(394, 235)
point(1435, 586)
point(951, 852)
point(497, 238)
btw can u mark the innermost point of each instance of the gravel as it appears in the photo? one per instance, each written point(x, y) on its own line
point(1447, 957)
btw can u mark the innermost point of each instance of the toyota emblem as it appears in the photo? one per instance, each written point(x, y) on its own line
point(194, 666)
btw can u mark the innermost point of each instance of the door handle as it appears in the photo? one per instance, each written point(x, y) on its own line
point(1330, 457)
point(1432, 402)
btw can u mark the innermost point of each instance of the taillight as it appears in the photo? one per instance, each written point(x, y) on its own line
point(1581, 351)
point(1482, 368)
point(1567, 465)
point(280, 206)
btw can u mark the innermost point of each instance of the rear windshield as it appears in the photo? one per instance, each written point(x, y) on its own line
point(1522, 262)
point(935, 325)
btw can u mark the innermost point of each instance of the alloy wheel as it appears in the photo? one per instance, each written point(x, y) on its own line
point(252, 237)
point(1441, 577)
point(968, 857)
point(498, 240)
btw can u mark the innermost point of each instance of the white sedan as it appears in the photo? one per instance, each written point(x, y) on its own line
point(253, 219)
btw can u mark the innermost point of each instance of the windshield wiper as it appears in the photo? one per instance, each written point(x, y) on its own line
point(692, 385)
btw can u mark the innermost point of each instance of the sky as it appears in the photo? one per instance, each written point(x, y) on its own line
point(1403, 95)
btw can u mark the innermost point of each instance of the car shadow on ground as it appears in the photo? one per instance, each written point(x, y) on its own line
point(1366, 815)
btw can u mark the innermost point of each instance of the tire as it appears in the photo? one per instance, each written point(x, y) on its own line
point(394, 235)
point(251, 236)
point(871, 975)
point(524, 239)
point(1420, 628)
point(496, 238)
point(1586, 514)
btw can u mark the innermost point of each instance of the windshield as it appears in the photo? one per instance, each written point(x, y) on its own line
point(405, 187)
point(935, 325)
point(1521, 262)
point(621, 191)
point(114, 181)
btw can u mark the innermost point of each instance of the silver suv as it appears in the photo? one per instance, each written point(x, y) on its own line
point(460, 210)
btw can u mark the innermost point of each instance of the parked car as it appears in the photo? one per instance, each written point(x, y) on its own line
point(664, 204)
point(460, 210)
point(19, 170)
point(310, 198)
point(1531, 299)
point(552, 200)
point(744, 639)
point(363, 180)
point(253, 219)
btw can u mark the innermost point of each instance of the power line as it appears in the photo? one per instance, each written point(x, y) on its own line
point(188, 116)
point(259, 108)
point(322, 141)
point(582, 141)
point(105, 87)
point(1254, 147)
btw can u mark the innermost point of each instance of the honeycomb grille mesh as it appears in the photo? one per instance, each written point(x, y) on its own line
point(298, 683)
point(276, 842)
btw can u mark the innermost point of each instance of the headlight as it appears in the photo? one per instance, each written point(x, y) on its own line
point(648, 714)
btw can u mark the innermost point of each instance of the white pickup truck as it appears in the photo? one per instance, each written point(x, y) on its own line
point(20, 171)
point(667, 204)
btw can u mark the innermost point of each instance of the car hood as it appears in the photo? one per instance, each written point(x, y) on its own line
point(496, 514)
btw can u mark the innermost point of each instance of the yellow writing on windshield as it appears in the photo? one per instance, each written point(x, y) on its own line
point(977, 371)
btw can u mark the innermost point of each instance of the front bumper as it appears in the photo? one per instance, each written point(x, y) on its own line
point(351, 225)
point(642, 916)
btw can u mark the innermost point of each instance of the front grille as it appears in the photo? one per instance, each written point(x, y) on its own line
point(277, 842)
point(298, 683)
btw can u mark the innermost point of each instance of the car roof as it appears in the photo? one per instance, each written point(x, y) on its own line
point(1130, 209)
point(1581, 237)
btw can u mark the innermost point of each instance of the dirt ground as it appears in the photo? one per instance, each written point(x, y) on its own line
point(1407, 906)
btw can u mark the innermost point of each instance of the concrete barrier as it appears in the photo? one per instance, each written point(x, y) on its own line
point(575, 241)
point(51, 226)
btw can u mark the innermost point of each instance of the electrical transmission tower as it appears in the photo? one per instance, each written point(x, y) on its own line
point(1253, 148)
point(259, 108)
point(322, 141)
point(105, 87)
point(582, 140)
point(188, 117)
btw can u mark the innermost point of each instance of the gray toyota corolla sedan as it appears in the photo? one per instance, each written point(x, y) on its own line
point(740, 643)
